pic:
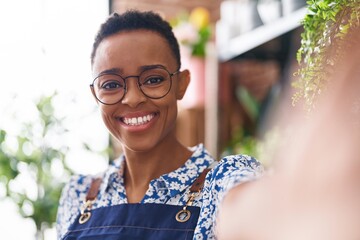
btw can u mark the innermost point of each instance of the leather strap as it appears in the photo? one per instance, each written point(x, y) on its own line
point(94, 189)
point(199, 182)
point(95, 185)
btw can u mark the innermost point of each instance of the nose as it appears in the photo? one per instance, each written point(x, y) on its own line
point(133, 96)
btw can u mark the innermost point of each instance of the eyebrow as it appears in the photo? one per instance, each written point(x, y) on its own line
point(111, 71)
point(120, 71)
point(147, 67)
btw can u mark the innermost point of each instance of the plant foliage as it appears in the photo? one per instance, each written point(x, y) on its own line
point(34, 157)
point(326, 25)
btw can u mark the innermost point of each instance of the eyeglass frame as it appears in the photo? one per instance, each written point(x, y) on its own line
point(138, 83)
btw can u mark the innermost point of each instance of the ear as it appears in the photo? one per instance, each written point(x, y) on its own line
point(183, 83)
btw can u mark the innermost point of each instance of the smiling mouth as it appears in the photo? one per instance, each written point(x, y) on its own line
point(136, 121)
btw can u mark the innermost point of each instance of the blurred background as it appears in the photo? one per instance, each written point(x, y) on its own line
point(241, 55)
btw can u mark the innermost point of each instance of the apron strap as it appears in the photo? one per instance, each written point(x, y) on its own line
point(94, 189)
point(195, 191)
point(182, 216)
point(199, 182)
point(96, 182)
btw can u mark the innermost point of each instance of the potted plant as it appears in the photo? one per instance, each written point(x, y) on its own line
point(193, 32)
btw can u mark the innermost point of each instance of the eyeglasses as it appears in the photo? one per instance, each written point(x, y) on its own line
point(110, 88)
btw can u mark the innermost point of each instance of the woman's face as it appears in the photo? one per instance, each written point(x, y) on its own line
point(138, 122)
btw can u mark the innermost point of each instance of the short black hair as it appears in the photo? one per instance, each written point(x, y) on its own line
point(136, 20)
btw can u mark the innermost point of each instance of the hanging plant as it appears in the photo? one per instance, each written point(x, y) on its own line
point(326, 25)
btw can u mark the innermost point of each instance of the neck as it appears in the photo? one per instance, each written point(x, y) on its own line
point(142, 167)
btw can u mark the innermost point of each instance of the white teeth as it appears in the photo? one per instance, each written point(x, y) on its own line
point(139, 120)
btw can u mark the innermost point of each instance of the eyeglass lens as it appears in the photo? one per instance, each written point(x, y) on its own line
point(111, 88)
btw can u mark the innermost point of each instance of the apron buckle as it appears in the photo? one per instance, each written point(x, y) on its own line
point(183, 215)
point(195, 191)
point(85, 211)
point(84, 217)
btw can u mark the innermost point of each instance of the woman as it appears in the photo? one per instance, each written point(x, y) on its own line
point(157, 189)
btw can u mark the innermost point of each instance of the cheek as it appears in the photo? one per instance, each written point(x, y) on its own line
point(169, 101)
point(105, 110)
point(106, 114)
point(171, 108)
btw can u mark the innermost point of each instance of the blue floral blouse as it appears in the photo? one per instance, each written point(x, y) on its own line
point(171, 188)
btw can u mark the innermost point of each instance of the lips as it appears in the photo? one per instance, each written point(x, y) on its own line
point(138, 120)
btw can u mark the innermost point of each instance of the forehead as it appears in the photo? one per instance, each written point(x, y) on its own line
point(129, 50)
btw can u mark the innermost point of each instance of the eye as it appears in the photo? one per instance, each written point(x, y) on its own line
point(153, 80)
point(111, 85)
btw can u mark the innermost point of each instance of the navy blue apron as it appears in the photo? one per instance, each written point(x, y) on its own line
point(137, 221)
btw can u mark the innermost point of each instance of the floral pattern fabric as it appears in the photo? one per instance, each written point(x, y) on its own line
point(171, 188)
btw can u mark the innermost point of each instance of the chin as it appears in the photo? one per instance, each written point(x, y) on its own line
point(139, 146)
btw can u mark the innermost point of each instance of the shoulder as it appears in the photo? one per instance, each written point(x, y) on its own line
point(226, 174)
point(236, 164)
point(79, 184)
point(72, 196)
point(75, 190)
point(232, 170)
point(76, 187)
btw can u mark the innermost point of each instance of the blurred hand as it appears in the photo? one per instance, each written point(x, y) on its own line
point(314, 191)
